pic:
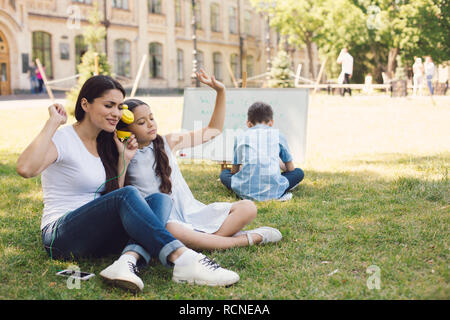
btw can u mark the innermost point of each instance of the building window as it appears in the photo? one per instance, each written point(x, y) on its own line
point(42, 50)
point(215, 17)
point(120, 4)
point(250, 66)
point(178, 15)
point(180, 64)
point(217, 62)
point(248, 23)
point(155, 60)
point(200, 60)
point(122, 57)
point(198, 14)
point(234, 63)
point(80, 50)
point(154, 6)
point(233, 20)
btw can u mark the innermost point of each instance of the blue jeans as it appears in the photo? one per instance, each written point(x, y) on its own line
point(430, 84)
point(294, 177)
point(119, 221)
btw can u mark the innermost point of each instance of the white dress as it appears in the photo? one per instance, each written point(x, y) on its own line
point(186, 210)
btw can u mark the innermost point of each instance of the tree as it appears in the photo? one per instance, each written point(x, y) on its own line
point(280, 73)
point(301, 21)
point(94, 35)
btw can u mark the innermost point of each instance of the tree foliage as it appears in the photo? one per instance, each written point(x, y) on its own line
point(376, 32)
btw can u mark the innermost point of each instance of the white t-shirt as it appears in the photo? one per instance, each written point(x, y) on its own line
point(187, 211)
point(347, 62)
point(73, 179)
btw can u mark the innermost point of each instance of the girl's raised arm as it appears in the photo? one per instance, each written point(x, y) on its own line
point(42, 151)
point(191, 139)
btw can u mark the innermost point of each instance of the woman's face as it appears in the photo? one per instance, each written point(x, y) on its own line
point(144, 126)
point(105, 111)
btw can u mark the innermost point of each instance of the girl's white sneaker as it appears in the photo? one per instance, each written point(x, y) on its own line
point(268, 235)
point(204, 271)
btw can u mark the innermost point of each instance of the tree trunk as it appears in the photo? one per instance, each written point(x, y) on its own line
point(378, 67)
point(393, 52)
point(311, 59)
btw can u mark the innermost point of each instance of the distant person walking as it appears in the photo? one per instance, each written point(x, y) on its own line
point(40, 79)
point(347, 70)
point(418, 70)
point(34, 83)
point(429, 73)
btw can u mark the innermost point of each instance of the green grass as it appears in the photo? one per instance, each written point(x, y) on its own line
point(351, 211)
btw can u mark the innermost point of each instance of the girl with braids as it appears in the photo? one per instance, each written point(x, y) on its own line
point(154, 169)
point(85, 211)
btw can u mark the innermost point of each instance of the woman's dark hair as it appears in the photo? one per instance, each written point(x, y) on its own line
point(260, 112)
point(92, 89)
point(161, 165)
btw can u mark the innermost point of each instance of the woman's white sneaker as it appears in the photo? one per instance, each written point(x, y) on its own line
point(204, 271)
point(123, 274)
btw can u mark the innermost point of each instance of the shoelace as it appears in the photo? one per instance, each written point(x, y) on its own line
point(133, 267)
point(210, 263)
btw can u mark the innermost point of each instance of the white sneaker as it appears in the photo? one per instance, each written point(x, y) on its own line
point(268, 235)
point(204, 271)
point(123, 274)
point(285, 197)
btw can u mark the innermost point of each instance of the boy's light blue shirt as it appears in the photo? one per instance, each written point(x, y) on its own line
point(258, 150)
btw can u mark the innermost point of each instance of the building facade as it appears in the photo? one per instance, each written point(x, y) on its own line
point(52, 30)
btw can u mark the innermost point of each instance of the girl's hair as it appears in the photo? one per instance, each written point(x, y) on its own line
point(92, 89)
point(161, 165)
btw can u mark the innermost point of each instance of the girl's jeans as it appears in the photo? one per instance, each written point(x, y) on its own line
point(119, 221)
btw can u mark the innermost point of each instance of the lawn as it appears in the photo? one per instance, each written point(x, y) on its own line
point(376, 192)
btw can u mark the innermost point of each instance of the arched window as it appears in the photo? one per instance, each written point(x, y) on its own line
point(217, 62)
point(80, 49)
point(180, 64)
point(156, 59)
point(122, 58)
point(42, 50)
point(234, 63)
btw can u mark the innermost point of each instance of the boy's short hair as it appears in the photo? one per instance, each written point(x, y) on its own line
point(260, 112)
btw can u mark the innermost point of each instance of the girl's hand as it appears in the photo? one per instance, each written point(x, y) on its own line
point(58, 113)
point(131, 147)
point(210, 81)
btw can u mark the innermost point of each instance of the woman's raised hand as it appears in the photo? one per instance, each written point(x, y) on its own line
point(210, 81)
point(58, 113)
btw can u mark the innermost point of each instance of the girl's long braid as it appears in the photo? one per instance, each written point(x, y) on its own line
point(162, 166)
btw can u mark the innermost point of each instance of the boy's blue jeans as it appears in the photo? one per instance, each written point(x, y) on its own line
point(294, 177)
point(119, 221)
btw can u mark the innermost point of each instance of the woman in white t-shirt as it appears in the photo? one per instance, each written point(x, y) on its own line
point(85, 211)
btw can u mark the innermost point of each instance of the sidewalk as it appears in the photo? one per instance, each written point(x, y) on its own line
point(29, 101)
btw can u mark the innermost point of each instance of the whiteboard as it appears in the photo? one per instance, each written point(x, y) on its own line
point(290, 107)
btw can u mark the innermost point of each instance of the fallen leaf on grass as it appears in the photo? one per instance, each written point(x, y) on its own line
point(334, 272)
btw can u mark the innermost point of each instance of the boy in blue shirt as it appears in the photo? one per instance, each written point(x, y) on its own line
point(259, 153)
